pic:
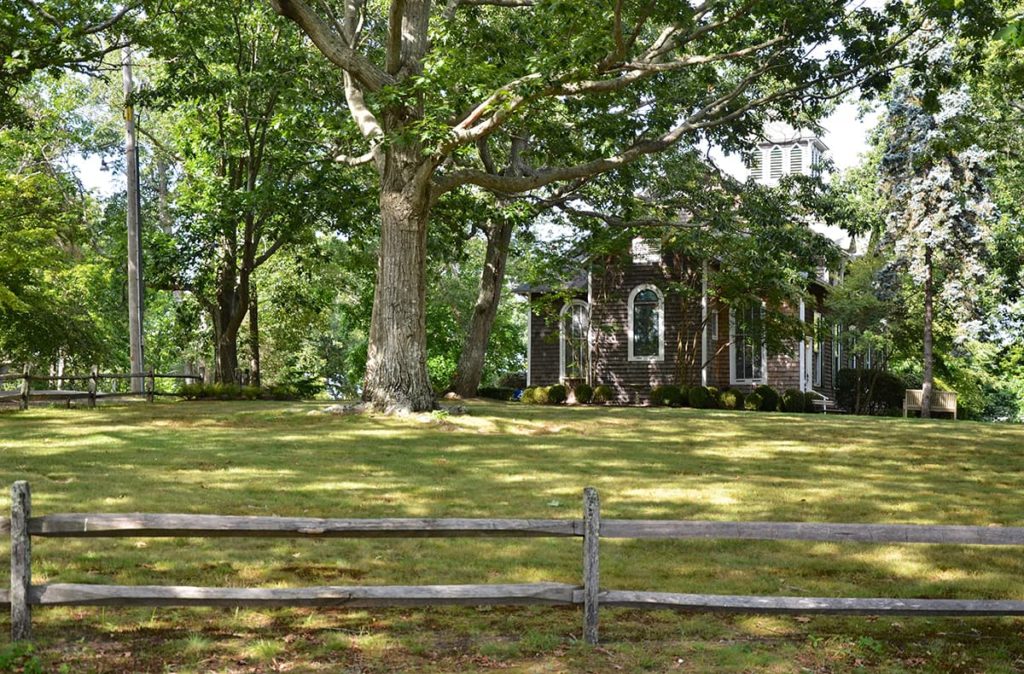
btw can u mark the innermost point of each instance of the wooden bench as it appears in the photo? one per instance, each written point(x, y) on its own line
point(942, 401)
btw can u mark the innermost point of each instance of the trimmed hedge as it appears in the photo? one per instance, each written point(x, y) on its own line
point(769, 398)
point(583, 393)
point(731, 399)
point(888, 394)
point(793, 400)
point(809, 398)
point(666, 396)
point(753, 402)
point(557, 394)
point(603, 394)
point(496, 392)
point(700, 397)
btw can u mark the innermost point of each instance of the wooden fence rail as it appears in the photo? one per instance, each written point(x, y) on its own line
point(23, 595)
point(25, 393)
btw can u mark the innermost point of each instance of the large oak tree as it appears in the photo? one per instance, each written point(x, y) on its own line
point(430, 85)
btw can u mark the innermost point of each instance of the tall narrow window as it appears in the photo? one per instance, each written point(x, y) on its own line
point(747, 352)
point(575, 342)
point(819, 348)
point(756, 163)
point(646, 324)
point(796, 160)
point(775, 166)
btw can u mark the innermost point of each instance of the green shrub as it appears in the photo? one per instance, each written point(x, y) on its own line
point(731, 399)
point(536, 395)
point(666, 396)
point(809, 398)
point(556, 395)
point(583, 393)
point(793, 400)
point(495, 392)
point(714, 395)
point(769, 398)
point(700, 397)
point(191, 391)
point(603, 394)
point(753, 402)
point(888, 393)
point(684, 396)
point(250, 392)
point(527, 395)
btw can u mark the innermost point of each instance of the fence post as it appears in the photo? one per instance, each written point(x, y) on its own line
point(93, 376)
point(26, 386)
point(21, 562)
point(591, 562)
point(150, 385)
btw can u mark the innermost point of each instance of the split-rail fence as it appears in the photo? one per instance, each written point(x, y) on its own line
point(23, 595)
point(25, 394)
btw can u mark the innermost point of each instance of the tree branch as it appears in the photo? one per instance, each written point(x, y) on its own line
point(333, 45)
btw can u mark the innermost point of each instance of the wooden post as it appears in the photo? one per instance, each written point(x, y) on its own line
point(26, 386)
point(93, 383)
point(21, 562)
point(150, 385)
point(591, 563)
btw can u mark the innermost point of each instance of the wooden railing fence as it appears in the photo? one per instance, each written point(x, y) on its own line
point(92, 392)
point(23, 595)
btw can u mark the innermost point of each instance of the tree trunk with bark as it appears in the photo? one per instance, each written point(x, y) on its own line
point(471, 361)
point(396, 366)
point(927, 367)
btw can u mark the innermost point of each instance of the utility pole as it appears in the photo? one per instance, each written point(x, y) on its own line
point(134, 246)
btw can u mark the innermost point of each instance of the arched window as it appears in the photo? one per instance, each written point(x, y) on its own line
point(775, 163)
point(796, 160)
point(574, 349)
point(646, 324)
point(756, 168)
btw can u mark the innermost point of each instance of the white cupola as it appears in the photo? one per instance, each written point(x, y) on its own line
point(786, 152)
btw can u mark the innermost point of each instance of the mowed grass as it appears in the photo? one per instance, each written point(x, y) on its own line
point(508, 460)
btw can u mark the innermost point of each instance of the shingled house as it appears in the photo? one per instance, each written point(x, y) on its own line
point(622, 322)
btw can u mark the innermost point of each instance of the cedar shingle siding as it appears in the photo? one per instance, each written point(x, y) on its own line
point(679, 281)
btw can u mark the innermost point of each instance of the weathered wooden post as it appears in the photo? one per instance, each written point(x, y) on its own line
point(26, 386)
point(21, 562)
point(150, 385)
point(93, 384)
point(591, 562)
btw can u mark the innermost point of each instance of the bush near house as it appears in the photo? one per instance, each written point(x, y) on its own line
point(731, 399)
point(700, 397)
point(666, 396)
point(557, 394)
point(583, 393)
point(879, 392)
point(753, 402)
point(769, 398)
point(714, 394)
point(794, 401)
point(603, 394)
point(809, 398)
point(496, 392)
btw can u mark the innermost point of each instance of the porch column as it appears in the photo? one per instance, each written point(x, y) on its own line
point(704, 325)
point(803, 344)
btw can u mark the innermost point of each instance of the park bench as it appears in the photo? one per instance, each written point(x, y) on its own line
point(942, 401)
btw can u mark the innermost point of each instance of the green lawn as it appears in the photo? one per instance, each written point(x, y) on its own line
point(508, 460)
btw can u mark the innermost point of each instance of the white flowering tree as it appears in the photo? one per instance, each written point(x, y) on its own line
point(938, 227)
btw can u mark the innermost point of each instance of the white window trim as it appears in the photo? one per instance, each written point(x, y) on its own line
point(561, 338)
point(763, 379)
point(818, 349)
point(661, 324)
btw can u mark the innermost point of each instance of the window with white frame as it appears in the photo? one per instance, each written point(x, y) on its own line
point(645, 251)
point(646, 324)
point(775, 163)
point(796, 160)
point(837, 352)
point(756, 165)
point(713, 324)
point(747, 349)
point(574, 350)
point(818, 347)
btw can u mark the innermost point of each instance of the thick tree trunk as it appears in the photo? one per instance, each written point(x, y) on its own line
point(396, 367)
point(929, 299)
point(492, 277)
point(254, 337)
